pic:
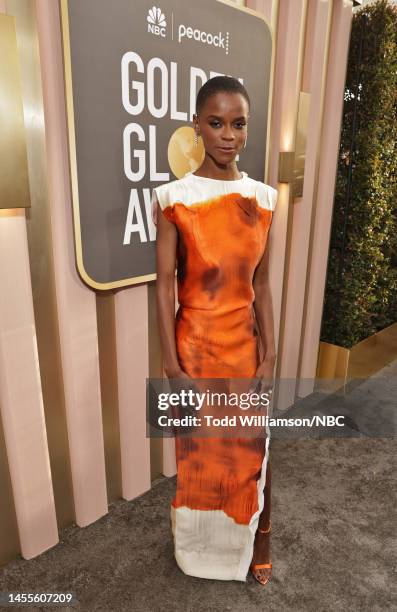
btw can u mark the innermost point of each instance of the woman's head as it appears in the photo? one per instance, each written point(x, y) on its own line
point(222, 111)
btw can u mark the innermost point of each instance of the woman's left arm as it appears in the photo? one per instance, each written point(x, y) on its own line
point(263, 307)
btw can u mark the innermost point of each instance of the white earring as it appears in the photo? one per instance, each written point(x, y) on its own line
point(195, 139)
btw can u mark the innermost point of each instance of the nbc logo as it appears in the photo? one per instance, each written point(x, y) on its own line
point(156, 21)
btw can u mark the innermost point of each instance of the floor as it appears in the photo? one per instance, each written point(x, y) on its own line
point(333, 543)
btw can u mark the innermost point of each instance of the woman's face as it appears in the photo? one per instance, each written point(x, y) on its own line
point(222, 124)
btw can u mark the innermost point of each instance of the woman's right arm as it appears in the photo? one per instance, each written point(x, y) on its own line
point(167, 239)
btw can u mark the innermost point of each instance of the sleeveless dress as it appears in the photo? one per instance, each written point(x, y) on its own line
point(222, 228)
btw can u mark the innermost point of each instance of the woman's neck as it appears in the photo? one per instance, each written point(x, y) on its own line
point(211, 169)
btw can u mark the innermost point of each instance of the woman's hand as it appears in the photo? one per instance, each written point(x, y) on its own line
point(265, 373)
point(176, 373)
point(180, 381)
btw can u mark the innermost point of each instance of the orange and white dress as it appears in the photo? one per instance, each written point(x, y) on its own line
point(222, 230)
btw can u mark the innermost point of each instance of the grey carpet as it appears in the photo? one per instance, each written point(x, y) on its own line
point(333, 542)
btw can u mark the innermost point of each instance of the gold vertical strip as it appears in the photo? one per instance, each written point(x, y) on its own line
point(41, 261)
point(109, 391)
point(14, 183)
point(302, 128)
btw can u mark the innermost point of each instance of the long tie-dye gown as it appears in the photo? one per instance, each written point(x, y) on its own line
point(222, 232)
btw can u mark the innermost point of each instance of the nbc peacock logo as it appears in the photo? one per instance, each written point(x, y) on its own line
point(156, 22)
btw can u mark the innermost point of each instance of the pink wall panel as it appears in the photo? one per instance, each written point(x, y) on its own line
point(76, 302)
point(314, 66)
point(132, 345)
point(21, 403)
point(267, 8)
point(324, 196)
point(289, 19)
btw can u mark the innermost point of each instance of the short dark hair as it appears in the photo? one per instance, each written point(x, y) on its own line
point(227, 84)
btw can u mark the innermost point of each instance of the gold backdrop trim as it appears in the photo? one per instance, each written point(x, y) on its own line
point(14, 178)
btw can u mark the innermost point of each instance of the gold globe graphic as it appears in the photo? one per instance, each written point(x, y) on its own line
point(183, 155)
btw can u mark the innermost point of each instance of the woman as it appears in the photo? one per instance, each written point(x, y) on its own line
point(213, 225)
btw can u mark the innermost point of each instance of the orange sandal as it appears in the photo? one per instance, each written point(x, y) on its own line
point(257, 566)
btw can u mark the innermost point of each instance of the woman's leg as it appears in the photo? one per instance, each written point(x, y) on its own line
point(262, 540)
point(264, 517)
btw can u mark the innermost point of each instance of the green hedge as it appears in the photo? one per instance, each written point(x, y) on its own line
point(361, 288)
